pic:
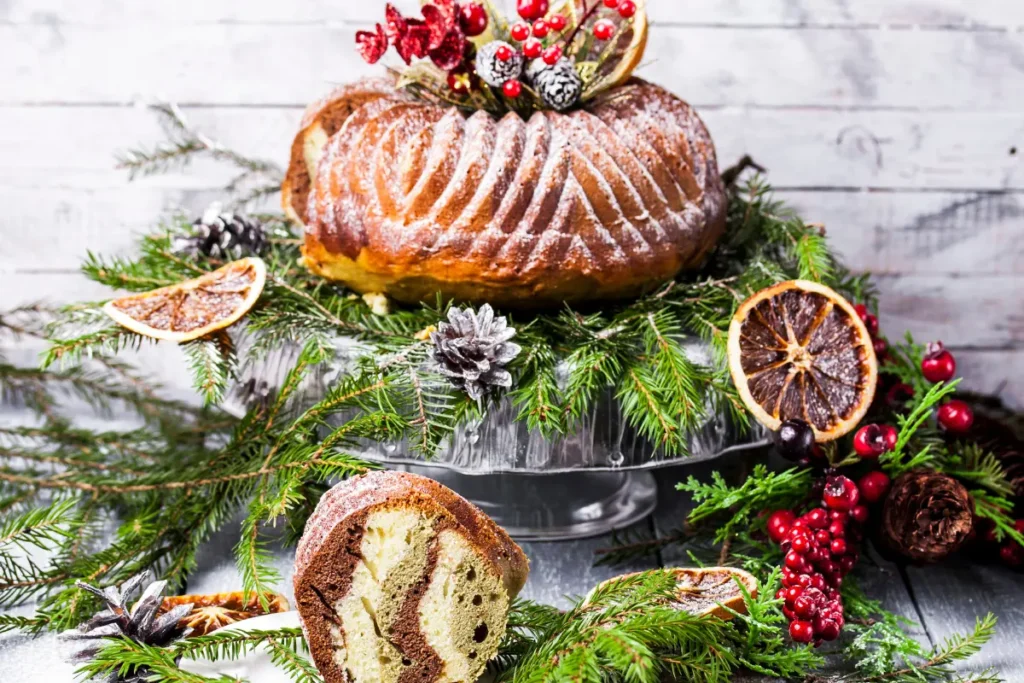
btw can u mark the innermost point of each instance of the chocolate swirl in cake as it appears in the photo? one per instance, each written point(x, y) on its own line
point(400, 580)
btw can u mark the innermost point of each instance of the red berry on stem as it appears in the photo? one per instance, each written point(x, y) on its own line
point(627, 8)
point(512, 89)
point(801, 631)
point(552, 55)
point(938, 365)
point(604, 30)
point(841, 494)
point(881, 348)
point(956, 417)
point(520, 31)
point(557, 22)
point(891, 436)
point(540, 28)
point(473, 19)
point(533, 48)
point(504, 53)
point(532, 9)
point(874, 486)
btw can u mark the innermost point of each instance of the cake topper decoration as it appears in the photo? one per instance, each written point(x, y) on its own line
point(469, 55)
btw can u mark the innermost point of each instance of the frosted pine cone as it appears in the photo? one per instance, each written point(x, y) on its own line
point(472, 350)
point(223, 236)
point(560, 86)
point(494, 71)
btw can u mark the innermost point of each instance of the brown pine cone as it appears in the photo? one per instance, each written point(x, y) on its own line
point(927, 516)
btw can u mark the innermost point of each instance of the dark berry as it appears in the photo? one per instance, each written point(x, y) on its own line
point(520, 31)
point(899, 395)
point(627, 8)
point(472, 19)
point(938, 365)
point(794, 440)
point(532, 10)
point(512, 89)
point(871, 322)
point(1012, 555)
point(881, 348)
point(874, 486)
point(801, 631)
point(604, 30)
point(956, 417)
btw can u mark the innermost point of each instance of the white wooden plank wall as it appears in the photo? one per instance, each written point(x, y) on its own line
point(897, 123)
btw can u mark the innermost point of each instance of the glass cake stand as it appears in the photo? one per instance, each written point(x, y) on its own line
point(589, 482)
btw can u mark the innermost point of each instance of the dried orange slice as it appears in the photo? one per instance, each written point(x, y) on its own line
point(195, 308)
point(217, 610)
point(710, 590)
point(614, 60)
point(799, 351)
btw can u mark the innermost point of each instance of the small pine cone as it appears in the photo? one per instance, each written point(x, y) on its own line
point(560, 86)
point(472, 350)
point(927, 516)
point(492, 70)
point(223, 236)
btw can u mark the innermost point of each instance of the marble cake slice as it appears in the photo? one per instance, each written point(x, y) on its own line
point(399, 579)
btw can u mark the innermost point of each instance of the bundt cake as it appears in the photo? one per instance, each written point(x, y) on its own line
point(411, 198)
point(400, 580)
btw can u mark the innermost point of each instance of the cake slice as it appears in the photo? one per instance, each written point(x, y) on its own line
point(399, 579)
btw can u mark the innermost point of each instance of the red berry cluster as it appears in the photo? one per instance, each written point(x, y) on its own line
point(939, 365)
point(821, 549)
point(871, 322)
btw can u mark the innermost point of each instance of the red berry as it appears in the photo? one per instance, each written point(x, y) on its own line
point(778, 524)
point(826, 629)
point(533, 48)
point(472, 19)
point(799, 524)
point(839, 516)
point(874, 486)
point(552, 55)
point(862, 310)
point(956, 417)
point(627, 8)
point(557, 22)
point(504, 53)
point(801, 544)
point(818, 581)
point(891, 436)
point(801, 631)
point(520, 31)
point(817, 518)
point(869, 442)
point(823, 537)
point(841, 494)
point(939, 365)
point(540, 28)
point(899, 394)
point(512, 89)
point(804, 607)
point(460, 81)
point(837, 529)
point(860, 514)
point(804, 580)
point(532, 9)
point(790, 614)
point(780, 594)
point(793, 592)
point(794, 560)
point(871, 322)
point(881, 348)
point(846, 563)
point(1019, 526)
point(604, 30)
point(1012, 555)
point(611, 4)
point(838, 547)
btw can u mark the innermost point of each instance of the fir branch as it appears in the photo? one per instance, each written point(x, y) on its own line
point(212, 362)
point(997, 510)
point(740, 506)
point(893, 461)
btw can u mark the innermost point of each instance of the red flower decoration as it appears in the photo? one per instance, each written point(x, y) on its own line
point(450, 53)
point(440, 19)
point(372, 46)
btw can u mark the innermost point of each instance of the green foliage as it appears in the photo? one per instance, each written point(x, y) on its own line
point(902, 458)
point(737, 508)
